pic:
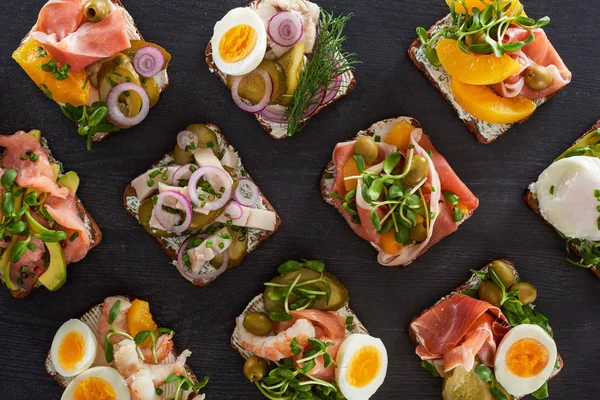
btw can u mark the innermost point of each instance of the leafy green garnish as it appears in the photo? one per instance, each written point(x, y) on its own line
point(60, 74)
point(484, 373)
point(184, 384)
point(89, 120)
point(430, 367)
point(542, 392)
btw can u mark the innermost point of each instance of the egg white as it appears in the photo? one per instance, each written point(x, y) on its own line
point(108, 374)
point(347, 350)
point(565, 192)
point(240, 16)
point(516, 385)
point(89, 352)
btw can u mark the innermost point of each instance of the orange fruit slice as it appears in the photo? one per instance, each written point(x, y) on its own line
point(475, 69)
point(399, 136)
point(484, 104)
point(139, 319)
point(388, 244)
point(480, 6)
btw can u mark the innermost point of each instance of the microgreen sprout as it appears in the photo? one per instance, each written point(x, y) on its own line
point(184, 385)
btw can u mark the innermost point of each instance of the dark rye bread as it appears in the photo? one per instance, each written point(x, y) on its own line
point(535, 206)
point(266, 125)
point(90, 318)
point(94, 231)
point(130, 191)
point(472, 121)
point(474, 282)
point(325, 186)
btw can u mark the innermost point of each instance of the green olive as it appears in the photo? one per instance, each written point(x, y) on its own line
point(527, 292)
point(255, 368)
point(418, 171)
point(476, 38)
point(258, 323)
point(367, 148)
point(488, 291)
point(418, 233)
point(144, 214)
point(96, 10)
point(538, 77)
point(504, 272)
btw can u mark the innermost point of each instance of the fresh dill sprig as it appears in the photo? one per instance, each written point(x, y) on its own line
point(327, 62)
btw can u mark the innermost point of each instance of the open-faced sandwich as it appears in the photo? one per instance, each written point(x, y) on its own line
point(567, 196)
point(396, 191)
point(44, 226)
point(493, 63)
point(487, 340)
point(89, 57)
point(282, 60)
point(201, 205)
point(302, 341)
point(116, 351)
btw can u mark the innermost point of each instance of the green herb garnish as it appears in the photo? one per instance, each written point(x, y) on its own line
point(60, 74)
point(89, 120)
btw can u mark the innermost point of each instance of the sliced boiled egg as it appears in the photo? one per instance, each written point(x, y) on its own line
point(239, 42)
point(565, 192)
point(525, 359)
point(73, 348)
point(98, 383)
point(361, 366)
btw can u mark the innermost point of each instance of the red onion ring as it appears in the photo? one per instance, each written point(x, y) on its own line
point(159, 213)
point(202, 277)
point(235, 85)
point(112, 102)
point(332, 90)
point(148, 61)
point(185, 138)
point(193, 188)
point(234, 210)
point(246, 193)
point(182, 172)
point(277, 115)
point(285, 28)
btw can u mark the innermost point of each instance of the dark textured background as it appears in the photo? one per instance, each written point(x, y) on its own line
point(131, 262)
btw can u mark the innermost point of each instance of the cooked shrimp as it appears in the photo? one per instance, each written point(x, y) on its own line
point(141, 386)
point(276, 347)
point(120, 322)
point(164, 345)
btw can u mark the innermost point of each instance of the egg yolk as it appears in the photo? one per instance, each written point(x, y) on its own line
point(527, 357)
point(94, 389)
point(237, 43)
point(364, 366)
point(71, 350)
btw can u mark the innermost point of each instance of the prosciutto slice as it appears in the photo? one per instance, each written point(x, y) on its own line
point(457, 329)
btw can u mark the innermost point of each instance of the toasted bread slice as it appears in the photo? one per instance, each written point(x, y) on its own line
point(473, 284)
point(162, 79)
point(90, 318)
point(532, 201)
point(279, 130)
point(485, 132)
point(92, 228)
point(171, 245)
point(328, 177)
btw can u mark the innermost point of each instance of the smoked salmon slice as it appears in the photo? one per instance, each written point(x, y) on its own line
point(65, 213)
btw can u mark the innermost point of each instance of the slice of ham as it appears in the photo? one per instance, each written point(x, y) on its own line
point(62, 29)
point(65, 213)
point(457, 329)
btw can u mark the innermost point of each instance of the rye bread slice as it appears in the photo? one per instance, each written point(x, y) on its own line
point(475, 125)
point(473, 283)
point(162, 79)
point(166, 243)
point(90, 318)
point(532, 201)
point(257, 305)
point(93, 228)
point(328, 176)
point(278, 130)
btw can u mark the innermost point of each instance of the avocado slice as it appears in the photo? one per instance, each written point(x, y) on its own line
point(5, 264)
point(36, 133)
point(55, 170)
point(70, 180)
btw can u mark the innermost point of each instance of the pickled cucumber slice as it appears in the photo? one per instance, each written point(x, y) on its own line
point(292, 63)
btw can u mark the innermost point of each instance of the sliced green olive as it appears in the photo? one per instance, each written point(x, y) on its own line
point(504, 272)
point(366, 147)
point(418, 171)
point(258, 323)
point(476, 38)
point(144, 215)
point(418, 233)
point(490, 292)
point(96, 10)
point(255, 369)
point(527, 292)
point(538, 77)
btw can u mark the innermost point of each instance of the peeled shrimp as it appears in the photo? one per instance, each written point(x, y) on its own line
point(164, 345)
point(276, 347)
point(142, 387)
point(120, 322)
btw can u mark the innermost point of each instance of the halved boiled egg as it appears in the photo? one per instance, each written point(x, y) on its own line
point(73, 348)
point(239, 42)
point(361, 366)
point(525, 359)
point(98, 383)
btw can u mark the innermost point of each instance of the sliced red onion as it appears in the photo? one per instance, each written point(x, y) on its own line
point(202, 277)
point(218, 202)
point(234, 210)
point(332, 90)
point(277, 115)
point(161, 216)
point(246, 192)
point(285, 28)
point(182, 173)
point(112, 103)
point(148, 61)
point(185, 138)
point(261, 104)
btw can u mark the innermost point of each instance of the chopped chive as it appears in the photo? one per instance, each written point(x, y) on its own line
point(74, 236)
point(552, 189)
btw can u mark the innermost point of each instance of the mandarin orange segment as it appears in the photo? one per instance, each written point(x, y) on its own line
point(484, 104)
point(388, 244)
point(351, 169)
point(399, 136)
point(475, 69)
point(139, 319)
point(480, 6)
